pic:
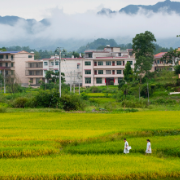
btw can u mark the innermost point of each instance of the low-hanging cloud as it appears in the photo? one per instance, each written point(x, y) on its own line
point(89, 25)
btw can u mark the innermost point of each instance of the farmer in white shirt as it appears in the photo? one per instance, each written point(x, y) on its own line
point(148, 149)
point(126, 147)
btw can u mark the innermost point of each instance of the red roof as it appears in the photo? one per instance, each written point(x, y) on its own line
point(159, 55)
point(112, 57)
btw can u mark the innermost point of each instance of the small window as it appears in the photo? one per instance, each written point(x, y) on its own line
point(78, 66)
point(29, 56)
point(88, 80)
point(100, 63)
point(6, 72)
point(12, 64)
point(12, 72)
point(56, 71)
point(56, 63)
point(88, 63)
point(131, 53)
point(158, 61)
point(45, 72)
point(119, 54)
point(108, 71)
point(37, 80)
point(119, 63)
point(131, 63)
point(12, 57)
point(6, 64)
point(100, 71)
point(0, 64)
point(89, 55)
point(52, 63)
point(31, 80)
point(108, 63)
point(98, 80)
point(6, 56)
point(87, 71)
point(120, 79)
point(1, 56)
point(45, 63)
point(119, 72)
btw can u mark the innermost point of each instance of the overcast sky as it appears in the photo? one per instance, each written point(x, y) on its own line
point(38, 9)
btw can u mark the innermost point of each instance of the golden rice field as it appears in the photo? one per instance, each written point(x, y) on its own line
point(52, 145)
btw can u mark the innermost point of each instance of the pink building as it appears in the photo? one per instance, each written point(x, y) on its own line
point(105, 67)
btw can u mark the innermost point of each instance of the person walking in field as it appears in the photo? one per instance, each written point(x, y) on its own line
point(126, 147)
point(148, 149)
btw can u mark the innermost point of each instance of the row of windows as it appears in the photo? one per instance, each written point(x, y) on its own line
point(6, 57)
point(108, 63)
point(102, 72)
point(98, 80)
point(7, 72)
point(56, 71)
point(52, 63)
point(6, 65)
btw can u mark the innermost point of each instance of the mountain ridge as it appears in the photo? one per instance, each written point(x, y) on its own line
point(167, 6)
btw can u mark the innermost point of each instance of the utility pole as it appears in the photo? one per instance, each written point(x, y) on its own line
point(59, 50)
point(71, 82)
point(4, 82)
point(74, 81)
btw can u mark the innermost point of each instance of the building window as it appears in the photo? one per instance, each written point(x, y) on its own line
point(78, 66)
point(31, 73)
point(6, 72)
point(45, 72)
point(6, 56)
point(12, 57)
point(120, 79)
point(29, 56)
point(100, 63)
point(12, 72)
point(12, 64)
point(118, 63)
point(31, 80)
point(56, 71)
point(1, 56)
point(37, 80)
point(56, 63)
point(6, 64)
point(87, 71)
point(89, 55)
point(45, 63)
point(88, 63)
point(119, 71)
point(131, 63)
point(52, 63)
point(108, 63)
point(108, 71)
point(119, 54)
point(131, 53)
point(88, 80)
point(100, 71)
point(157, 61)
point(98, 80)
point(0, 64)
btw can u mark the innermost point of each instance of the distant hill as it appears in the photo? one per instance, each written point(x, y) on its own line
point(12, 20)
point(167, 6)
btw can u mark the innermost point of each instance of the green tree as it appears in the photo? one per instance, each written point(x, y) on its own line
point(3, 49)
point(177, 69)
point(54, 76)
point(128, 73)
point(37, 55)
point(143, 47)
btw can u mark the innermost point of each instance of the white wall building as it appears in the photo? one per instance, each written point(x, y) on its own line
point(71, 67)
point(105, 67)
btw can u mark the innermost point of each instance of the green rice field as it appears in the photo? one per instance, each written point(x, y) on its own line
point(56, 145)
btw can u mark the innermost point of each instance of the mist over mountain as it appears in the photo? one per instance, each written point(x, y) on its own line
point(167, 6)
point(59, 29)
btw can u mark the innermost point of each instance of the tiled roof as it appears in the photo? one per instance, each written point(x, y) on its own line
point(159, 55)
point(9, 52)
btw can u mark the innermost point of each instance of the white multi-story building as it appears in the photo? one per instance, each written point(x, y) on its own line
point(105, 67)
point(71, 67)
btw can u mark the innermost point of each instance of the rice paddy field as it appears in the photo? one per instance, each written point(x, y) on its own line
point(59, 145)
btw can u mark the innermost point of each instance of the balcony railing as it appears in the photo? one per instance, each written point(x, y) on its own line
point(34, 73)
point(6, 59)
